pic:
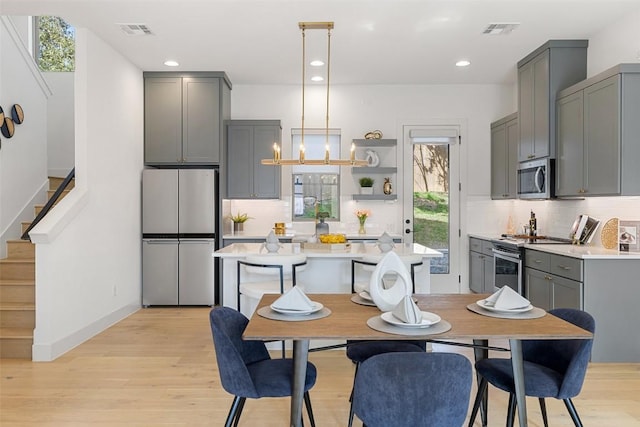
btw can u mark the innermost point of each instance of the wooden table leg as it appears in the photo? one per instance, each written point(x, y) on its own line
point(300, 358)
point(518, 379)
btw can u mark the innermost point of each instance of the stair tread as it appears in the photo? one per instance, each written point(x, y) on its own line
point(17, 306)
point(26, 333)
point(17, 260)
point(17, 282)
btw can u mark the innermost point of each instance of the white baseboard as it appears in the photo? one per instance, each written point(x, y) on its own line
point(51, 351)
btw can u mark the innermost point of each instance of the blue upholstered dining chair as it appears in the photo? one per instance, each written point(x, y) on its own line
point(358, 351)
point(245, 367)
point(413, 389)
point(552, 368)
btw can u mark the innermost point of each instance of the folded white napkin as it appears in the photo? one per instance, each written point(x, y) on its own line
point(385, 242)
point(507, 299)
point(294, 299)
point(408, 311)
point(272, 243)
point(387, 299)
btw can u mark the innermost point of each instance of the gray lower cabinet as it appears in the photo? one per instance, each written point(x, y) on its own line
point(480, 266)
point(504, 158)
point(184, 116)
point(553, 281)
point(248, 142)
point(606, 288)
point(597, 152)
point(552, 67)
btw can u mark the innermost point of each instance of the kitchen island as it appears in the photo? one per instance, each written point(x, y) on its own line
point(326, 271)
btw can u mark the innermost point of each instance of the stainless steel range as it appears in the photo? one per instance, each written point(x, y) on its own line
point(508, 259)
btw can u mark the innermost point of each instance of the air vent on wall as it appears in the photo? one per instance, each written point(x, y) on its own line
point(502, 28)
point(135, 29)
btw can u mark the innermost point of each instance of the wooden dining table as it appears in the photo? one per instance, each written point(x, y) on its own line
point(348, 321)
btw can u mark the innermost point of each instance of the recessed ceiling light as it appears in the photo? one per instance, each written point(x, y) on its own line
point(171, 63)
point(317, 78)
point(317, 63)
point(463, 63)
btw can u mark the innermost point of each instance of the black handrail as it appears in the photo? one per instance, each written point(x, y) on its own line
point(52, 201)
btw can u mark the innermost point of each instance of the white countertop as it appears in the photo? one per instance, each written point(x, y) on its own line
point(574, 251)
point(350, 236)
point(584, 252)
point(357, 250)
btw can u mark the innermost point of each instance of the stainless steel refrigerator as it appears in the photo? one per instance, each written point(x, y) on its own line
point(178, 236)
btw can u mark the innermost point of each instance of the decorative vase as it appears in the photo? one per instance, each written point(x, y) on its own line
point(362, 230)
point(386, 188)
point(238, 226)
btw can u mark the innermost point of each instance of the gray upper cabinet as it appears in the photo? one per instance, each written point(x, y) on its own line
point(598, 128)
point(552, 67)
point(183, 116)
point(504, 157)
point(248, 142)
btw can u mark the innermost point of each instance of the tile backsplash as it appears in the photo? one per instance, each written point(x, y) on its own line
point(554, 217)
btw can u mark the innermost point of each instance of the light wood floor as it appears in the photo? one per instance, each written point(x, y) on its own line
point(158, 368)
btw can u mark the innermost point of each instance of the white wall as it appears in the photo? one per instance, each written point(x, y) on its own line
point(23, 158)
point(618, 43)
point(88, 269)
point(359, 109)
point(60, 124)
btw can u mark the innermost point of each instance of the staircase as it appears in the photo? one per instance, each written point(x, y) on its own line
point(17, 291)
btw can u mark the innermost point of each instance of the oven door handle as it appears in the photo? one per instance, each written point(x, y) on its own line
point(504, 254)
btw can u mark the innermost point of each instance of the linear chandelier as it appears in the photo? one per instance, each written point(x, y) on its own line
point(301, 160)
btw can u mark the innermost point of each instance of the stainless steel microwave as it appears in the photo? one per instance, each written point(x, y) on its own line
point(536, 179)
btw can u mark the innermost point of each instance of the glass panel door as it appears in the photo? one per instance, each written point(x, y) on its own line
point(431, 198)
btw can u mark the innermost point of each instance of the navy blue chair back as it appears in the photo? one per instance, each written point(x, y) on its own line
point(234, 354)
point(413, 389)
point(567, 357)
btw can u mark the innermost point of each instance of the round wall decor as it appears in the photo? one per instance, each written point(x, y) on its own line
point(8, 127)
point(17, 114)
point(609, 234)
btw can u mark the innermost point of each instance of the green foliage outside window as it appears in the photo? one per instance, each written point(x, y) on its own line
point(57, 47)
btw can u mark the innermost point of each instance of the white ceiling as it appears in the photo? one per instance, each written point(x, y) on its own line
point(374, 41)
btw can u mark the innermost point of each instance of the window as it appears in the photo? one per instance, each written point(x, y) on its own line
point(316, 189)
point(55, 44)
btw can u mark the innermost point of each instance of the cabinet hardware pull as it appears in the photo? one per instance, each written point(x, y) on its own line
point(547, 278)
point(564, 267)
point(537, 261)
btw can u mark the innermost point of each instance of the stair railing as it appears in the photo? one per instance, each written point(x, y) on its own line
point(52, 201)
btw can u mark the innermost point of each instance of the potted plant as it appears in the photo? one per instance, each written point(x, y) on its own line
point(366, 185)
point(238, 221)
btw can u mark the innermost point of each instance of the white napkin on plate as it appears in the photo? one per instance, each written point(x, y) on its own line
point(272, 243)
point(385, 242)
point(294, 299)
point(507, 299)
point(408, 311)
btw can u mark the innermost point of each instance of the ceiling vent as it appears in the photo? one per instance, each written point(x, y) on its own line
point(135, 29)
point(502, 28)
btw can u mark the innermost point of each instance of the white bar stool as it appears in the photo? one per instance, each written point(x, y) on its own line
point(361, 270)
point(272, 274)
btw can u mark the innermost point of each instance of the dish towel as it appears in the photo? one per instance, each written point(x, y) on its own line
point(387, 299)
point(385, 243)
point(507, 299)
point(407, 311)
point(272, 243)
point(294, 299)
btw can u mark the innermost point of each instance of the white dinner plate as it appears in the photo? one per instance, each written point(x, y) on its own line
point(316, 307)
point(365, 295)
point(482, 303)
point(428, 319)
